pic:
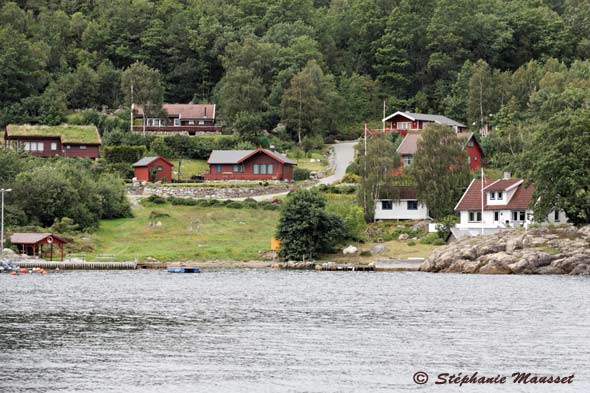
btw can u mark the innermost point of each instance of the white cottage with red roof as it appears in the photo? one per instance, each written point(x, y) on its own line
point(405, 207)
point(490, 206)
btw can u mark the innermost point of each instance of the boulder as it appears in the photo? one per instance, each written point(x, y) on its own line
point(568, 264)
point(350, 250)
point(378, 249)
point(549, 270)
point(584, 231)
point(495, 267)
point(472, 266)
point(514, 244)
point(8, 251)
point(403, 236)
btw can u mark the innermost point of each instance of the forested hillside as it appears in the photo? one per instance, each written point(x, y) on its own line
point(324, 65)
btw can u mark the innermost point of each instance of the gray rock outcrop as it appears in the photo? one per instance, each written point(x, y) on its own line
point(556, 250)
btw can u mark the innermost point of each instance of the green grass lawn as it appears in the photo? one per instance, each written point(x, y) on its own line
point(297, 155)
point(217, 233)
point(190, 168)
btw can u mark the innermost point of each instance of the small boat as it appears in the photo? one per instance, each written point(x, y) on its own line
point(181, 269)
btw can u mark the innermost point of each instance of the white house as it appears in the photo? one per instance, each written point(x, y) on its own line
point(505, 204)
point(406, 207)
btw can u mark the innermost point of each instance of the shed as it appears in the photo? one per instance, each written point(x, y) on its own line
point(153, 169)
point(32, 243)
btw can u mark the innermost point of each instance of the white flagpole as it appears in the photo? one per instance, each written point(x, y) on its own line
point(482, 183)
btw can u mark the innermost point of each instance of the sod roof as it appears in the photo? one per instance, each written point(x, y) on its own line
point(74, 134)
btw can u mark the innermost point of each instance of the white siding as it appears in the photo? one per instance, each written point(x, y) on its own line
point(400, 211)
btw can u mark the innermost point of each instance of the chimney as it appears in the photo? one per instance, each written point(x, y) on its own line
point(507, 175)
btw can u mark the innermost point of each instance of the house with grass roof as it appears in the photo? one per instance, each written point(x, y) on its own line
point(50, 141)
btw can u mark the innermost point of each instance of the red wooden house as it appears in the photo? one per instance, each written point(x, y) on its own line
point(409, 145)
point(153, 169)
point(185, 119)
point(403, 122)
point(32, 244)
point(50, 141)
point(259, 164)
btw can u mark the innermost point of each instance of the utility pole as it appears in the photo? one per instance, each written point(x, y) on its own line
point(131, 114)
point(2, 191)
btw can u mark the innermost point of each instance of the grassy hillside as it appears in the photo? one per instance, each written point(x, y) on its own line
point(189, 233)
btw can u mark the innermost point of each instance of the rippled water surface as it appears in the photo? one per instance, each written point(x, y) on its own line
point(279, 331)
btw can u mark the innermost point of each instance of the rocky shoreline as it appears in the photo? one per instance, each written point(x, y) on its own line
point(544, 250)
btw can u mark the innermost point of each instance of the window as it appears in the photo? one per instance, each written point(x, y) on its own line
point(263, 169)
point(500, 195)
point(53, 146)
point(492, 196)
point(177, 122)
point(470, 143)
point(191, 122)
point(256, 169)
point(412, 205)
point(556, 216)
point(404, 125)
point(474, 158)
point(82, 147)
point(238, 169)
point(496, 216)
point(201, 122)
point(218, 168)
point(27, 146)
point(386, 205)
point(159, 168)
point(68, 147)
point(408, 158)
point(40, 146)
point(34, 146)
point(518, 216)
point(269, 169)
point(475, 216)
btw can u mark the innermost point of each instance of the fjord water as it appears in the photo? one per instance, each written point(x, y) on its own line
point(285, 331)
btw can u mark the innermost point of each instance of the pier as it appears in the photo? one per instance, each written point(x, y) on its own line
point(76, 265)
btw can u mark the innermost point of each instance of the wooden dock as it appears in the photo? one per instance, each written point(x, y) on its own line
point(326, 266)
point(76, 265)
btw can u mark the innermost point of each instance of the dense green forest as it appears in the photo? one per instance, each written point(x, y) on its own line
point(324, 65)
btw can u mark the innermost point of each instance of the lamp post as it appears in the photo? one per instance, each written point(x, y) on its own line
point(2, 191)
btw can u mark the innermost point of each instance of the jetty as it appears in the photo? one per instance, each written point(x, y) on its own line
point(325, 266)
point(76, 265)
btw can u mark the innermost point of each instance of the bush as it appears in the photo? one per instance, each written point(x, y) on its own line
point(430, 238)
point(156, 199)
point(411, 243)
point(235, 205)
point(444, 226)
point(438, 242)
point(124, 154)
point(365, 253)
point(182, 201)
point(351, 178)
point(301, 174)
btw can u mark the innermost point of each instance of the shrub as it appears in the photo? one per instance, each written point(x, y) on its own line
point(444, 226)
point(438, 242)
point(430, 238)
point(156, 199)
point(411, 243)
point(270, 206)
point(351, 178)
point(365, 253)
point(126, 154)
point(235, 205)
point(301, 174)
point(182, 201)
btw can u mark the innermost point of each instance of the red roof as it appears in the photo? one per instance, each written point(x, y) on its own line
point(146, 161)
point(185, 111)
point(471, 199)
point(502, 184)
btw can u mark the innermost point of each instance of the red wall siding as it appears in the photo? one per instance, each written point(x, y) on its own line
point(91, 151)
point(280, 171)
point(475, 155)
point(143, 173)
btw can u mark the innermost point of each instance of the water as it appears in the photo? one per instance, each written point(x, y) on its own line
point(285, 331)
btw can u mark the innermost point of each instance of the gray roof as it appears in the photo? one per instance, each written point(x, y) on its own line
point(236, 156)
point(440, 119)
point(145, 161)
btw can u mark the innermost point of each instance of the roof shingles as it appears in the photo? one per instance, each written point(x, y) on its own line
point(471, 199)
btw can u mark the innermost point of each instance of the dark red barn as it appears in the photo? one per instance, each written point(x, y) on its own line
point(153, 169)
point(259, 164)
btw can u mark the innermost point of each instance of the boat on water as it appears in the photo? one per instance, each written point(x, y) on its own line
point(182, 269)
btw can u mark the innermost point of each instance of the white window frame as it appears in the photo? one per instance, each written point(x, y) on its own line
point(176, 122)
point(492, 196)
point(414, 203)
point(408, 159)
point(387, 205)
point(404, 125)
point(53, 146)
point(83, 147)
point(500, 195)
point(475, 216)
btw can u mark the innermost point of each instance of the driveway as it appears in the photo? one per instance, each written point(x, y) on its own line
point(341, 159)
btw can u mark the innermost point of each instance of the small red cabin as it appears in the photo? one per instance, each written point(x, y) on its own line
point(32, 244)
point(259, 164)
point(152, 169)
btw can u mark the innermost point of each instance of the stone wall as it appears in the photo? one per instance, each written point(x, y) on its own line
point(209, 192)
point(543, 250)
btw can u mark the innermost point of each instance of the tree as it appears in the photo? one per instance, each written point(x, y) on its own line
point(376, 172)
point(440, 170)
point(306, 229)
point(141, 85)
point(305, 103)
point(240, 91)
point(559, 163)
